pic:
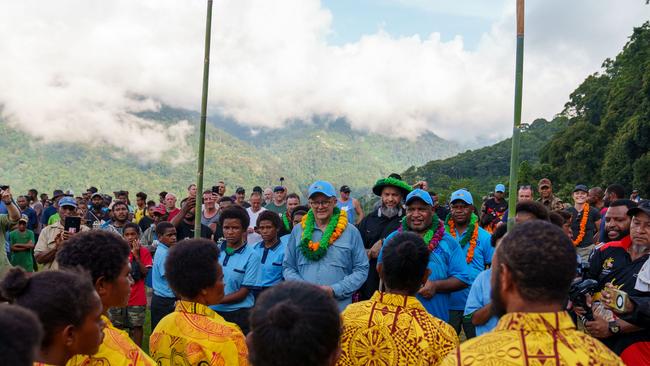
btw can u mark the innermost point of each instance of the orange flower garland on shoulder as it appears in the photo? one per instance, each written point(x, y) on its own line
point(473, 240)
point(583, 225)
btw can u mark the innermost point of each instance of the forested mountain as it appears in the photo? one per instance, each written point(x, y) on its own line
point(300, 152)
point(601, 137)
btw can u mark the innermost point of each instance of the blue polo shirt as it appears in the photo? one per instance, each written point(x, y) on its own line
point(239, 270)
point(478, 264)
point(479, 296)
point(160, 286)
point(270, 272)
point(344, 267)
point(447, 260)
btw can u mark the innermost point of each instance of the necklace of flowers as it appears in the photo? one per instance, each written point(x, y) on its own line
point(470, 235)
point(583, 225)
point(314, 251)
point(285, 220)
point(433, 236)
point(231, 251)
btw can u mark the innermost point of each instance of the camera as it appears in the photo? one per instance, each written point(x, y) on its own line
point(578, 295)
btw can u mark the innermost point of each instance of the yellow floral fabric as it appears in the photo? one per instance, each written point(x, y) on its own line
point(196, 335)
point(117, 349)
point(391, 329)
point(535, 339)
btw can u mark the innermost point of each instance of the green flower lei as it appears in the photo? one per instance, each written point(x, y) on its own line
point(429, 234)
point(324, 240)
point(470, 229)
point(285, 220)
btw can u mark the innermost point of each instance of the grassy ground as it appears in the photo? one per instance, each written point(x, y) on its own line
point(147, 332)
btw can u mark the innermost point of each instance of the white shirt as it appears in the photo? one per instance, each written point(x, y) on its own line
point(254, 238)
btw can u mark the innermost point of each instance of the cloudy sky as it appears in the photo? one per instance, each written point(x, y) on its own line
point(71, 69)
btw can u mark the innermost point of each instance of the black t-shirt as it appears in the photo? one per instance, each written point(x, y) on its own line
point(145, 223)
point(494, 208)
point(612, 263)
point(590, 229)
point(186, 231)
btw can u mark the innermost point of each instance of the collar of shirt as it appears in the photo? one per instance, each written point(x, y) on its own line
point(238, 251)
point(545, 322)
point(260, 245)
point(397, 300)
point(189, 307)
point(623, 243)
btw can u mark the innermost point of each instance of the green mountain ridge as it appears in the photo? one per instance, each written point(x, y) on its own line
point(300, 152)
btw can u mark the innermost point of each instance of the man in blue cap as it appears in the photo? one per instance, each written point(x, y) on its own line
point(463, 224)
point(53, 236)
point(446, 259)
point(326, 250)
point(495, 207)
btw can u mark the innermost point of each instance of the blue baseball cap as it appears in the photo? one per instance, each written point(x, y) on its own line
point(419, 194)
point(499, 188)
point(463, 195)
point(68, 201)
point(323, 187)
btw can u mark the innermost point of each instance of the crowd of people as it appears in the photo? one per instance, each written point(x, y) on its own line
point(275, 279)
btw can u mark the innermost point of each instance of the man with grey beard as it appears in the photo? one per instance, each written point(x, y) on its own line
point(379, 224)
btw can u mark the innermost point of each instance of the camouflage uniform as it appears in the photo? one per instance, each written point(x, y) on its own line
point(553, 203)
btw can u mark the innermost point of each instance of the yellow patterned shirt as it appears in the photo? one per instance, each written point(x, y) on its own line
point(117, 349)
point(535, 339)
point(196, 335)
point(391, 329)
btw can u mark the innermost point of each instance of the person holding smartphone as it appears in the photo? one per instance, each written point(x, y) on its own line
point(53, 237)
point(6, 222)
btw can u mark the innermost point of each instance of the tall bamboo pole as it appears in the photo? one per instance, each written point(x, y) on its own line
point(514, 155)
point(204, 107)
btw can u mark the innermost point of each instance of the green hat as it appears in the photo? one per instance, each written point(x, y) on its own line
point(404, 188)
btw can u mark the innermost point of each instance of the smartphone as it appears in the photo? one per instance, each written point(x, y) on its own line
point(215, 189)
point(72, 224)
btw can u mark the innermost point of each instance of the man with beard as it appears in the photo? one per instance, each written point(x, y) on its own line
point(618, 263)
point(184, 221)
point(326, 250)
point(612, 193)
point(533, 268)
point(120, 215)
point(446, 259)
point(379, 224)
point(475, 244)
point(97, 212)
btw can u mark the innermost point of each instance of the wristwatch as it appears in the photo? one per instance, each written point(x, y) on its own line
point(614, 327)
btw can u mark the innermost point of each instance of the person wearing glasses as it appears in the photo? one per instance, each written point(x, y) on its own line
point(326, 249)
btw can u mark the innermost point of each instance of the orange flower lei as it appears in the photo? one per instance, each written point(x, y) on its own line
point(472, 241)
point(583, 225)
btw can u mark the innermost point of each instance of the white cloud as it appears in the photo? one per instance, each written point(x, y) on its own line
point(69, 68)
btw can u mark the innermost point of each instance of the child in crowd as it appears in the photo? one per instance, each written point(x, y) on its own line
point(69, 311)
point(270, 250)
point(194, 334)
point(21, 241)
point(132, 317)
point(163, 299)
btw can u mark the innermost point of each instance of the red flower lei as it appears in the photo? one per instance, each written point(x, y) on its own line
point(432, 237)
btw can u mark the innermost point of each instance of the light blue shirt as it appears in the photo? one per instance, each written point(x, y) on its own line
point(270, 272)
point(447, 260)
point(479, 296)
point(477, 265)
point(160, 286)
point(239, 270)
point(344, 267)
